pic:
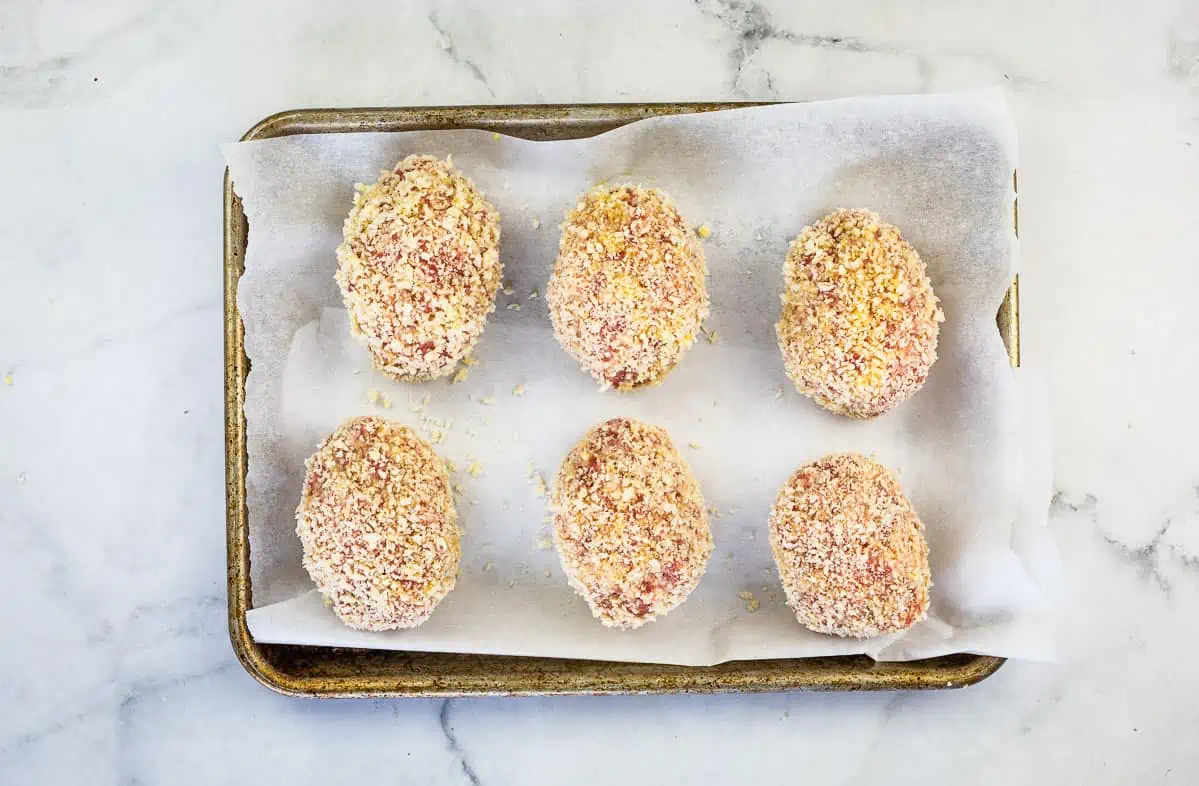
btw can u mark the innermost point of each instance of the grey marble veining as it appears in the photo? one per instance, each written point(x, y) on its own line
point(116, 666)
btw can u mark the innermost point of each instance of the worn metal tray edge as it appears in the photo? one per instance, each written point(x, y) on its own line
point(345, 673)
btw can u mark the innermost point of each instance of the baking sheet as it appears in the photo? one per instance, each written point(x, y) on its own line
point(937, 166)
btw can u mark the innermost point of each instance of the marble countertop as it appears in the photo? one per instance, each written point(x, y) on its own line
point(116, 666)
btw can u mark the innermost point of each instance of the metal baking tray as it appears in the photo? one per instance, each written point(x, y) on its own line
point(340, 672)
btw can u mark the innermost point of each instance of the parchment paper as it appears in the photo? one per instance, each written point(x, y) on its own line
point(971, 452)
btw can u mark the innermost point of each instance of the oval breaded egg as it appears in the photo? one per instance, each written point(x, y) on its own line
point(419, 267)
point(850, 548)
point(628, 290)
point(378, 526)
point(859, 323)
point(629, 523)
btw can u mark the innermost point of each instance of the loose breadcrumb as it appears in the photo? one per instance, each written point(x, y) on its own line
point(629, 523)
point(752, 604)
point(544, 542)
point(487, 401)
point(710, 335)
point(419, 267)
point(475, 469)
point(694, 445)
point(378, 526)
point(519, 390)
point(372, 396)
point(535, 223)
point(704, 231)
point(539, 488)
point(513, 307)
point(859, 323)
point(850, 549)
point(460, 375)
point(8, 379)
point(628, 289)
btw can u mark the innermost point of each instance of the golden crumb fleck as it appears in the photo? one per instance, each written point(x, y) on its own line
point(460, 375)
point(372, 396)
point(628, 289)
point(419, 267)
point(535, 223)
point(8, 379)
point(544, 542)
point(469, 361)
point(710, 335)
point(495, 135)
point(539, 488)
point(508, 290)
point(519, 390)
point(384, 401)
point(513, 306)
point(487, 401)
point(752, 604)
point(475, 469)
point(694, 445)
point(533, 294)
point(486, 566)
point(704, 231)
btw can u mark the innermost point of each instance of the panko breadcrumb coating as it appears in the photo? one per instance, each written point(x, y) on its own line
point(859, 323)
point(628, 291)
point(629, 523)
point(850, 549)
point(419, 267)
point(378, 525)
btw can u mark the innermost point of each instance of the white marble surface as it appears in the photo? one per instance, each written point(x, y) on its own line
point(115, 666)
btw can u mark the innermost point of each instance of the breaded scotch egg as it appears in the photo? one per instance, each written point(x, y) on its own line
point(850, 549)
point(628, 291)
point(859, 322)
point(629, 523)
point(378, 526)
point(419, 267)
